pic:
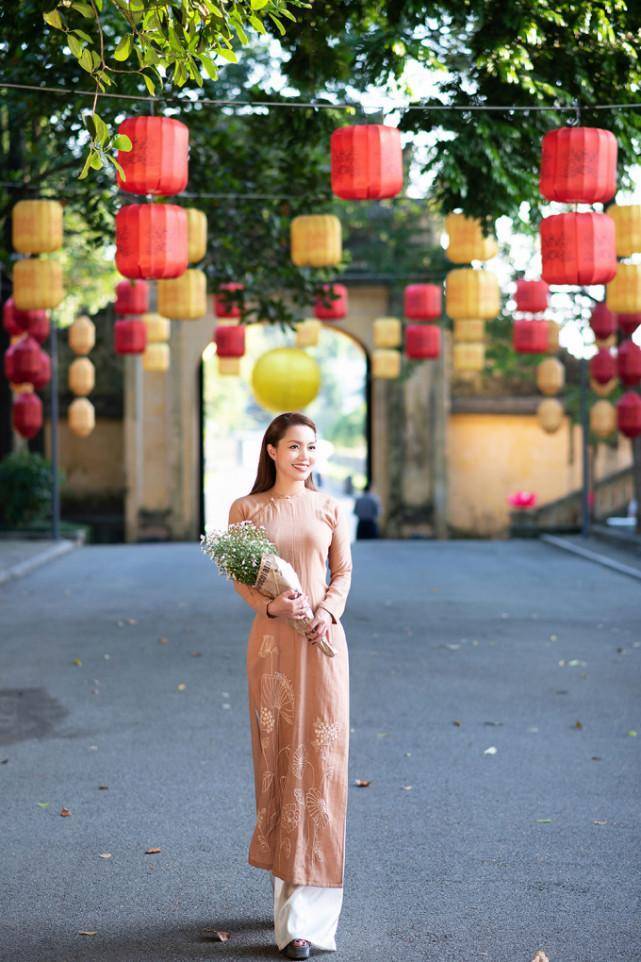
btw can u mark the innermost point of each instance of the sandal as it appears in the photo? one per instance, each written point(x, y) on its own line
point(294, 951)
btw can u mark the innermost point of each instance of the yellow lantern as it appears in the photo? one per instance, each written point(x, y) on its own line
point(550, 376)
point(468, 357)
point(388, 332)
point(285, 379)
point(183, 298)
point(37, 226)
point(37, 284)
point(316, 240)
point(603, 390)
point(553, 337)
point(623, 294)
point(228, 366)
point(550, 415)
point(386, 363)
point(158, 328)
point(466, 240)
point(82, 376)
point(81, 417)
point(469, 329)
point(196, 234)
point(308, 332)
point(603, 419)
point(472, 294)
point(156, 357)
point(82, 335)
point(627, 228)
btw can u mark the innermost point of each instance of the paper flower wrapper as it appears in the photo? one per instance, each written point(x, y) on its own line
point(275, 576)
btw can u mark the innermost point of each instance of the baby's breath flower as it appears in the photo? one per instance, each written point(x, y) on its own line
point(238, 550)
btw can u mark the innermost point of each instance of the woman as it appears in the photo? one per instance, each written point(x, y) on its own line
point(299, 695)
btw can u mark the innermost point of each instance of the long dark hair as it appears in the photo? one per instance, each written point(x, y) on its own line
point(266, 473)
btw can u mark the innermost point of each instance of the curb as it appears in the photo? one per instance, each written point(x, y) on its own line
point(25, 567)
point(592, 556)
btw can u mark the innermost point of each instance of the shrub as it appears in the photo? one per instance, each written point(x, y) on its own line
point(25, 488)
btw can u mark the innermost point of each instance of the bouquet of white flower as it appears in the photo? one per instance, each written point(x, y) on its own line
point(244, 553)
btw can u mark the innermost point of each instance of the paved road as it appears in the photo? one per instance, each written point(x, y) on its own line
point(500, 680)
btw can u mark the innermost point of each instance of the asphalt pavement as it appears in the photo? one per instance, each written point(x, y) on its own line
point(495, 711)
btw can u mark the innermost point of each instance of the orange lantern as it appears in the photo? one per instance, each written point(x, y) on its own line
point(623, 293)
point(316, 240)
point(185, 297)
point(37, 226)
point(472, 293)
point(467, 241)
point(37, 284)
point(550, 415)
point(82, 376)
point(386, 364)
point(627, 223)
point(81, 417)
point(82, 335)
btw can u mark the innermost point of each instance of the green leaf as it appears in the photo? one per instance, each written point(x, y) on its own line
point(257, 23)
point(75, 46)
point(85, 60)
point(95, 160)
point(123, 48)
point(209, 67)
point(102, 131)
point(149, 84)
point(90, 124)
point(259, 4)
point(287, 13)
point(112, 160)
point(281, 28)
point(122, 142)
point(83, 8)
point(227, 54)
point(53, 18)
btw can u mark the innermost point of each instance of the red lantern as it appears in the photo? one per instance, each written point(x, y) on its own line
point(26, 361)
point(578, 249)
point(27, 414)
point(629, 414)
point(603, 366)
point(628, 323)
point(423, 302)
point(230, 340)
point(523, 499)
point(629, 362)
point(44, 373)
point(151, 240)
point(602, 321)
point(530, 337)
point(9, 370)
point(532, 296)
point(130, 336)
point(223, 306)
point(132, 297)
point(158, 160)
point(366, 161)
point(16, 321)
point(422, 341)
point(328, 309)
point(579, 165)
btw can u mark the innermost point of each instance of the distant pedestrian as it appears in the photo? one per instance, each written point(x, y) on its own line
point(348, 486)
point(366, 508)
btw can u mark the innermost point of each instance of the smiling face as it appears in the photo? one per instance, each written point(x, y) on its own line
point(295, 454)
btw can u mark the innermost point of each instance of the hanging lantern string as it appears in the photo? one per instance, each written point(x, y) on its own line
point(316, 105)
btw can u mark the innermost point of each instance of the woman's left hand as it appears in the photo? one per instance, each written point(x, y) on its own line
point(319, 626)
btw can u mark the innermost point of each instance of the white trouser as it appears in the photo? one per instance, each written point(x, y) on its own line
point(306, 912)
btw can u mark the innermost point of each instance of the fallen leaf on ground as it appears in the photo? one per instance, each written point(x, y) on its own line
point(596, 758)
point(578, 724)
point(76, 661)
point(362, 782)
point(599, 821)
point(492, 750)
point(543, 821)
point(216, 934)
point(457, 723)
point(86, 932)
point(540, 957)
point(42, 804)
point(132, 621)
point(103, 787)
point(407, 788)
point(632, 733)
point(64, 811)
point(151, 851)
point(196, 654)
point(105, 855)
point(181, 686)
point(163, 641)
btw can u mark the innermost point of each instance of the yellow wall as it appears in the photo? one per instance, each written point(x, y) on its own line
point(92, 465)
point(490, 456)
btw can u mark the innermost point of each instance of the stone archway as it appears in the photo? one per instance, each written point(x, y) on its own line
point(163, 457)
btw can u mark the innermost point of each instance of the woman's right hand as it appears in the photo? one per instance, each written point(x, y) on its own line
point(289, 605)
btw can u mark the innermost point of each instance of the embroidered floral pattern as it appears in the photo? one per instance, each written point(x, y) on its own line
point(326, 733)
point(266, 720)
point(276, 692)
point(268, 647)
